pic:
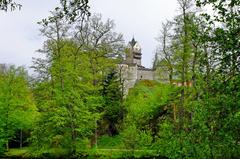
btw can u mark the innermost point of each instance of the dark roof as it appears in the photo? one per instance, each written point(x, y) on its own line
point(139, 67)
point(144, 68)
point(137, 53)
point(128, 63)
point(132, 42)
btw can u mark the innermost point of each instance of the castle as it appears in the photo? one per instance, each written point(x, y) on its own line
point(131, 68)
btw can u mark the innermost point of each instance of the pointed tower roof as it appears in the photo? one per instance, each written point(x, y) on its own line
point(133, 42)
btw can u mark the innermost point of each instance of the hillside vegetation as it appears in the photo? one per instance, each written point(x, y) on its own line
point(75, 106)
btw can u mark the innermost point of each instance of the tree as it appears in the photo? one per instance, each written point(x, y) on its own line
point(103, 48)
point(207, 113)
point(16, 104)
point(165, 51)
point(74, 9)
point(5, 5)
point(181, 48)
point(66, 114)
point(101, 44)
point(226, 36)
point(68, 86)
point(223, 85)
point(113, 108)
point(70, 8)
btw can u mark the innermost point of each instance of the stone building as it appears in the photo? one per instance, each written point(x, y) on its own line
point(131, 68)
point(3, 68)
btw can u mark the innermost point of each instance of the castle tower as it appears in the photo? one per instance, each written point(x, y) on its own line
point(135, 55)
point(131, 68)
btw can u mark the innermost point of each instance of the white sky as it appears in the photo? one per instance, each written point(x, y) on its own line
point(19, 32)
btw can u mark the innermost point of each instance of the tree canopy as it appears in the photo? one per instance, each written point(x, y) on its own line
point(76, 105)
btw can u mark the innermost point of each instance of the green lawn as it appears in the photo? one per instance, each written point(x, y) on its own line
point(16, 152)
point(88, 153)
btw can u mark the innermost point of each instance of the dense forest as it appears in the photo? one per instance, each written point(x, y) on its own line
point(74, 105)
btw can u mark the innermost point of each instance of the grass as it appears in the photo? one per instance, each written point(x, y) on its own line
point(25, 153)
point(108, 147)
point(110, 142)
point(119, 153)
point(17, 152)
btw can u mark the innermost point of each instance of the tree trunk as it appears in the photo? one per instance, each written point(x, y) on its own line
point(7, 145)
point(21, 138)
point(96, 135)
point(174, 113)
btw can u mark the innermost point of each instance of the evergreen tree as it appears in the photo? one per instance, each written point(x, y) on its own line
point(113, 106)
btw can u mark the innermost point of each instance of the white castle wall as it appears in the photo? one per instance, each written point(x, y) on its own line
point(128, 76)
point(132, 70)
point(137, 61)
point(145, 74)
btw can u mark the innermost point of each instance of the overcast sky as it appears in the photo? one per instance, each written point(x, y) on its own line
point(20, 36)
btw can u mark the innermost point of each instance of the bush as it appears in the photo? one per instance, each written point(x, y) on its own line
point(136, 139)
point(110, 142)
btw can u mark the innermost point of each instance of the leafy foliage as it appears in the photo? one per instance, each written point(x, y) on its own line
point(69, 87)
point(16, 103)
point(5, 5)
point(79, 94)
